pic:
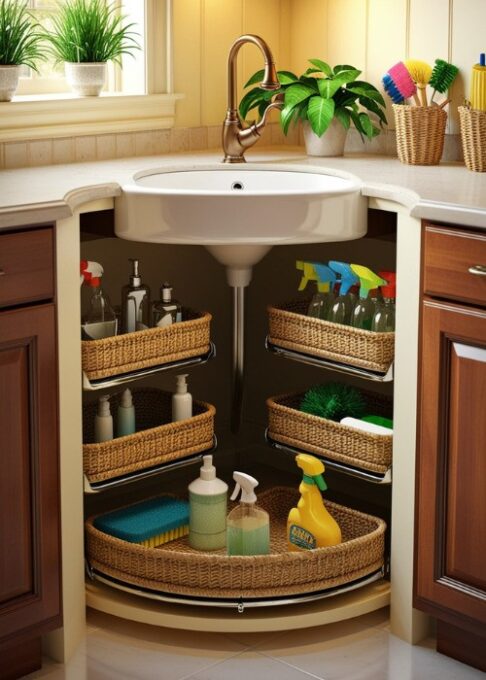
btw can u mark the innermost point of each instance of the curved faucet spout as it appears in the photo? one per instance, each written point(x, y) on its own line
point(236, 138)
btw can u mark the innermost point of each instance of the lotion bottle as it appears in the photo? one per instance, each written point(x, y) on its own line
point(166, 311)
point(181, 400)
point(207, 509)
point(125, 422)
point(135, 302)
point(103, 420)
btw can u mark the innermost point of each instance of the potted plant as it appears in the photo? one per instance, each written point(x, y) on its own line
point(87, 34)
point(20, 45)
point(327, 100)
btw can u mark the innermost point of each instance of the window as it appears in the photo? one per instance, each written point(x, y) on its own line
point(130, 79)
point(138, 97)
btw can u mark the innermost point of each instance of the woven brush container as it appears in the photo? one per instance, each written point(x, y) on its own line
point(473, 135)
point(177, 568)
point(133, 351)
point(157, 441)
point(420, 133)
point(327, 438)
point(291, 328)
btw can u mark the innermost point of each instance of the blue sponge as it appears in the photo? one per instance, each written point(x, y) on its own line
point(142, 521)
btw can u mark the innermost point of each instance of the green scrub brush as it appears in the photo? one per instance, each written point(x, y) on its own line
point(442, 77)
point(333, 401)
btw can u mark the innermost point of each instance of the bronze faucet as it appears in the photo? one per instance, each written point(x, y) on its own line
point(236, 138)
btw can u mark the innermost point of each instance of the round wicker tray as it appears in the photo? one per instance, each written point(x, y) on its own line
point(176, 568)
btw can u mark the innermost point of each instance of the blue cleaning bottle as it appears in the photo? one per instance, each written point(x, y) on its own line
point(325, 279)
point(342, 306)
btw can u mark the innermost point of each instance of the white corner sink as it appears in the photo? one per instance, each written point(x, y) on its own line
point(239, 213)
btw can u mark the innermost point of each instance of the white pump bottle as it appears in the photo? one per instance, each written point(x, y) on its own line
point(181, 400)
point(103, 420)
point(125, 423)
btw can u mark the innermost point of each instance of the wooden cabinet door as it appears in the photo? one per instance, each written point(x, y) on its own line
point(450, 576)
point(29, 475)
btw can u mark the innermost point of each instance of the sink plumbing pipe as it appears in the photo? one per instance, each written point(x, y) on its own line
point(239, 261)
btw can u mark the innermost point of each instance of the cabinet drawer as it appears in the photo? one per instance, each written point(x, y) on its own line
point(26, 266)
point(451, 258)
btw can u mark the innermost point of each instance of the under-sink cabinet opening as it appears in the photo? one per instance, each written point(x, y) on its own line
point(358, 491)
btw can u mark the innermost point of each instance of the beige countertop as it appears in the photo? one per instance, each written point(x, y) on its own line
point(447, 192)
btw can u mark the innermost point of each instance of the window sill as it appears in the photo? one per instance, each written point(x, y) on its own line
point(64, 115)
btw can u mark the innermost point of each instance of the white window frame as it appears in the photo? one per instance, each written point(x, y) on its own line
point(62, 115)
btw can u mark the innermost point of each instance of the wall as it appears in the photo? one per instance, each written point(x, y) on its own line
point(370, 34)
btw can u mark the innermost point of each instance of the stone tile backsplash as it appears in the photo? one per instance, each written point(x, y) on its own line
point(149, 143)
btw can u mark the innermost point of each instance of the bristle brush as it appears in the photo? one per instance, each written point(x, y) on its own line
point(442, 77)
point(403, 81)
point(420, 72)
point(391, 89)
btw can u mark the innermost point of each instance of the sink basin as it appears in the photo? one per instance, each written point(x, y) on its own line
point(239, 213)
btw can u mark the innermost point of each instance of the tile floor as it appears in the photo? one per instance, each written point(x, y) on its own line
point(359, 649)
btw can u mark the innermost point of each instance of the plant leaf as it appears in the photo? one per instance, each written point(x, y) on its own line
point(295, 94)
point(250, 100)
point(366, 125)
point(362, 88)
point(255, 78)
point(343, 117)
point(328, 87)
point(343, 67)
point(322, 66)
point(286, 77)
point(287, 115)
point(373, 107)
point(320, 113)
point(347, 76)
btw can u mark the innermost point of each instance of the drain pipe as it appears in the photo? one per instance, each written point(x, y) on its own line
point(238, 259)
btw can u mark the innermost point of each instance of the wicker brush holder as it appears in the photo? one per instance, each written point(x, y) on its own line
point(420, 132)
point(157, 441)
point(327, 438)
point(291, 328)
point(152, 347)
point(473, 135)
point(176, 568)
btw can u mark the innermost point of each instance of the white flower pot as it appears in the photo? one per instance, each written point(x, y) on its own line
point(86, 79)
point(9, 81)
point(330, 144)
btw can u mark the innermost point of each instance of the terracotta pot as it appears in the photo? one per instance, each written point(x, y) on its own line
point(9, 81)
point(330, 144)
point(86, 79)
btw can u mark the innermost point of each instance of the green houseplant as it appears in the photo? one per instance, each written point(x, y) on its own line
point(87, 34)
point(20, 45)
point(327, 100)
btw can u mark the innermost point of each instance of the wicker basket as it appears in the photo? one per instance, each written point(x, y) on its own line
point(288, 425)
point(420, 133)
point(176, 568)
point(154, 346)
point(473, 135)
point(157, 441)
point(291, 328)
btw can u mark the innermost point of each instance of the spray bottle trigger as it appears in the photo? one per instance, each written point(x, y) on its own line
point(321, 482)
point(236, 492)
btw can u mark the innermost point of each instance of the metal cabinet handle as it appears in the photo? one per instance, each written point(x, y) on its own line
point(478, 270)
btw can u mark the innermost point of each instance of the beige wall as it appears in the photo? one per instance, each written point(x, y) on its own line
point(369, 34)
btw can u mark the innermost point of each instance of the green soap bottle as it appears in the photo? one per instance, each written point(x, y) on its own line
point(207, 509)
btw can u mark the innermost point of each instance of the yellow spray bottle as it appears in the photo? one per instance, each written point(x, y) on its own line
point(310, 525)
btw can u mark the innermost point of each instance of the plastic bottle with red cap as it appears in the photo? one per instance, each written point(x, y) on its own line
point(100, 320)
point(384, 316)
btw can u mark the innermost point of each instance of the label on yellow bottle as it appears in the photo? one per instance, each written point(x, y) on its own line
point(302, 538)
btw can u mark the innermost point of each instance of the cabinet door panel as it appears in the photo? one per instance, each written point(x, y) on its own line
point(466, 473)
point(15, 487)
point(29, 480)
point(451, 536)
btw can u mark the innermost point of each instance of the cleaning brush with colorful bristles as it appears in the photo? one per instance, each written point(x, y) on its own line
point(149, 523)
point(442, 77)
point(403, 82)
point(391, 89)
point(420, 73)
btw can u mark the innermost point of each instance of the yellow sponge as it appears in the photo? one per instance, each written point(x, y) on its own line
point(165, 537)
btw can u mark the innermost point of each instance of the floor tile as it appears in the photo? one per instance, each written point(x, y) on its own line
point(251, 665)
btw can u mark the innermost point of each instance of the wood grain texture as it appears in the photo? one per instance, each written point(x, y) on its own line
point(26, 259)
point(450, 537)
point(20, 659)
point(448, 254)
point(30, 524)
